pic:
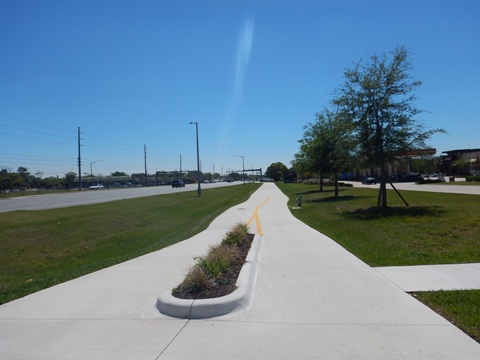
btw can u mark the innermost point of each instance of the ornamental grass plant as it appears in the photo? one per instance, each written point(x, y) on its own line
point(209, 271)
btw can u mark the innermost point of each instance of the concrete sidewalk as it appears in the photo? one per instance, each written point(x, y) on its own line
point(434, 277)
point(312, 300)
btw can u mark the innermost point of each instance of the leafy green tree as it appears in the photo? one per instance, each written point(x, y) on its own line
point(377, 98)
point(6, 181)
point(52, 182)
point(69, 179)
point(119, 173)
point(36, 180)
point(327, 145)
point(424, 164)
point(461, 166)
point(235, 176)
point(301, 166)
point(192, 176)
point(276, 171)
point(24, 179)
point(10, 180)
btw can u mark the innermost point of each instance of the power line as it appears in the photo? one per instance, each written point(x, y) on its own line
point(34, 123)
point(34, 139)
point(30, 130)
point(34, 156)
point(103, 140)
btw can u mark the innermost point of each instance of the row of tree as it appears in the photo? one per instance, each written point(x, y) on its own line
point(22, 178)
point(370, 121)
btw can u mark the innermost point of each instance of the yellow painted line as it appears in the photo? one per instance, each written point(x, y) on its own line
point(257, 217)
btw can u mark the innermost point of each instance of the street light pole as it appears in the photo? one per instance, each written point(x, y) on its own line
point(91, 168)
point(199, 190)
point(243, 166)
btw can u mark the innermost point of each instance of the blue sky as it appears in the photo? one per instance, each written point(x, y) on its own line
point(251, 73)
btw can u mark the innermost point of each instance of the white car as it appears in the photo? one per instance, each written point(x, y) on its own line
point(436, 177)
point(97, 187)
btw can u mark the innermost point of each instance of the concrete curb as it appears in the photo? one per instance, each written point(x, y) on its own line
point(200, 309)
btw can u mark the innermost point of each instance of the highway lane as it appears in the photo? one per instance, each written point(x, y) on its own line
point(85, 197)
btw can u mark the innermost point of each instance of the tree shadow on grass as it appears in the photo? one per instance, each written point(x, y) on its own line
point(316, 192)
point(375, 212)
point(324, 196)
point(336, 199)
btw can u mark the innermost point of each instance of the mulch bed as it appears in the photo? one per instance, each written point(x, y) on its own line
point(225, 283)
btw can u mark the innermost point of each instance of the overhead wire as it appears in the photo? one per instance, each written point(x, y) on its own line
point(99, 144)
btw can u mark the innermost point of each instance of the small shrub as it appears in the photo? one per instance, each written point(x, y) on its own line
point(204, 273)
point(472, 178)
point(195, 280)
point(236, 236)
point(216, 261)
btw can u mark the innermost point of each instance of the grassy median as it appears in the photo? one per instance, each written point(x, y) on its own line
point(437, 228)
point(39, 249)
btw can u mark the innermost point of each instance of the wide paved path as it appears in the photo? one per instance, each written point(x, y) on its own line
point(312, 300)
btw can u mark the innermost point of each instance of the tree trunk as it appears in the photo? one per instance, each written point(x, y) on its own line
point(336, 185)
point(382, 192)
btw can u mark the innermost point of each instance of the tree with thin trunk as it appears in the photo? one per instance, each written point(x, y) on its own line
point(327, 145)
point(378, 99)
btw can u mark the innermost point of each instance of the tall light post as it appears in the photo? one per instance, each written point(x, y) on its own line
point(91, 168)
point(199, 190)
point(243, 166)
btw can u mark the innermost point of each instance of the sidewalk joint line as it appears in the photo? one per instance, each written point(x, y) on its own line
point(171, 341)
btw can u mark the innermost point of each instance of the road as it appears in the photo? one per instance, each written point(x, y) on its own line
point(454, 189)
point(75, 198)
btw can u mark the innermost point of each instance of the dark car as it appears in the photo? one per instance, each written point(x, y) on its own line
point(369, 181)
point(177, 183)
point(412, 177)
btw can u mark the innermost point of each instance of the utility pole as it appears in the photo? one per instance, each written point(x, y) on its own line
point(145, 157)
point(199, 190)
point(79, 162)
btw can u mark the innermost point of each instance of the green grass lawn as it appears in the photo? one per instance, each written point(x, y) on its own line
point(437, 228)
point(461, 308)
point(466, 183)
point(39, 249)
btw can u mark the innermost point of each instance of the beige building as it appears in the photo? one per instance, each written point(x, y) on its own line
point(462, 161)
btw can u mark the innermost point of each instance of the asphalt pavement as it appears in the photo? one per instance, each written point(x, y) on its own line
point(87, 197)
point(310, 299)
